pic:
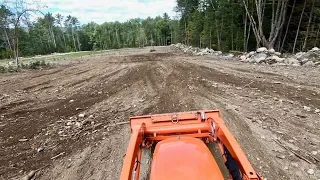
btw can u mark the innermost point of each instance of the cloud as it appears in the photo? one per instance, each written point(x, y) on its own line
point(101, 11)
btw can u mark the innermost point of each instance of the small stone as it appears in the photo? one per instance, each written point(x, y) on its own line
point(77, 109)
point(81, 115)
point(71, 101)
point(286, 168)
point(23, 140)
point(69, 123)
point(29, 176)
point(310, 171)
point(91, 116)
point(39, 149)
point(79, 125)
point(314, 153)
point(317, 111)
point(291, 140)
point(293, 164)
point(307, 108)
point(281, 156)
point(301, 116)
point(262, 49)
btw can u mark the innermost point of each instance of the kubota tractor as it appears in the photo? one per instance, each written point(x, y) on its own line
point(180, 151)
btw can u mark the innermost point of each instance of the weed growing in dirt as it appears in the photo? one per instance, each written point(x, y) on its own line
point(3, 69)
point(31, 65)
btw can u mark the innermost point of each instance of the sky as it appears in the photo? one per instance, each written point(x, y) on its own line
point(101, 11)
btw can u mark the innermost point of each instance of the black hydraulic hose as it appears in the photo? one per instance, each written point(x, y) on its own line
point(232, 165)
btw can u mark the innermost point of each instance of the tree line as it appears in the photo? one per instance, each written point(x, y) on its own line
point(243, 25)
point(226, 25)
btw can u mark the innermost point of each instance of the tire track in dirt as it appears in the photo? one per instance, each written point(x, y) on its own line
point(48, 112)
point(116, 87)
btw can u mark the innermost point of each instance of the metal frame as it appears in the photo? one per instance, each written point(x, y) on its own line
point(207, 125)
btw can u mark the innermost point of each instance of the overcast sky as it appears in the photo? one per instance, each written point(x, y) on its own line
point(101, 11)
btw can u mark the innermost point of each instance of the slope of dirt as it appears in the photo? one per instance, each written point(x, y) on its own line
point(40, 127)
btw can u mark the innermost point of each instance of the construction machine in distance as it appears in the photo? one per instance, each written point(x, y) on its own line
point(180, 150)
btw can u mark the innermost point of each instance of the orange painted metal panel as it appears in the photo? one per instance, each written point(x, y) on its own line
point(183, 158)
point(162, 128)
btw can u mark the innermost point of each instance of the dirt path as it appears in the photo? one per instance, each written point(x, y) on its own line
point(40, 112)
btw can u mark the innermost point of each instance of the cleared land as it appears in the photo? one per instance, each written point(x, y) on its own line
point(39, 111)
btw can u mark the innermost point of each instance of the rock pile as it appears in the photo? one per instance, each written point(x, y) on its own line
point(261, 55)
point(196, 51)
point(270, 56)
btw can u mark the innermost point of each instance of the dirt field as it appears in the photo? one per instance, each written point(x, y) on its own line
point(40, 127)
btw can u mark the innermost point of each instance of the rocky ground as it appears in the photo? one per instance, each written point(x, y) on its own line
point(261, 55)
point(69, 121)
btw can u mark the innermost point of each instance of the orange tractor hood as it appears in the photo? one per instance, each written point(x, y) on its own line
point(183, 158)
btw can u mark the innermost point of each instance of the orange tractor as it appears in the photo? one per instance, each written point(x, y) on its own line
point(180, 152)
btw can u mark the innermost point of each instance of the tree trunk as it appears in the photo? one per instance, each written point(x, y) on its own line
point(277, 21)
point(288, 24)
point(64, 39)
point(79, 46)
point(297, 34)
point(74, 41)
point(210, 43)
point(171, 36)
point(219, 47)
point(232, 43)
point(318, 32)
point(308, 28)
point(248, 37)
point(245, 33)
point(8, 40)
point(53, 37)
point(16, 45)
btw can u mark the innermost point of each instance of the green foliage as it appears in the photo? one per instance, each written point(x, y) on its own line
point(217, 24)
point(12, 68)
point(5, 53)
point(3, 69)
point(34, 65)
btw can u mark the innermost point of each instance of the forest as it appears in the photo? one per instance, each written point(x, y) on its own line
point(287, 26)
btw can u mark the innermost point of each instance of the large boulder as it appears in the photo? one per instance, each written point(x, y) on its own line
point(260, 57)
point(271, 51)
point(262, 49)
point(229, 56)
point(243, 57)
point(251, 53)
point(211, 51)
point(292, 61)
point(315, 49)
point(274, 59)
point(300, 55)
point(277, 53)
point(309, 63)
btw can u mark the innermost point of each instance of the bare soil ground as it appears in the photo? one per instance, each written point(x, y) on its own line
point(40, 127)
